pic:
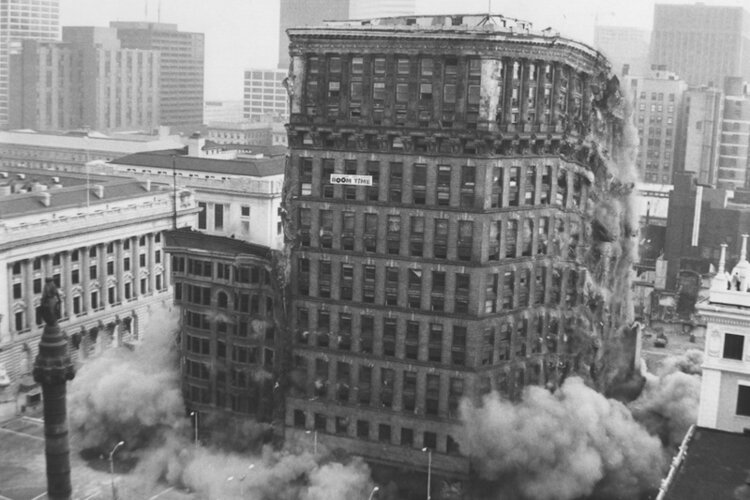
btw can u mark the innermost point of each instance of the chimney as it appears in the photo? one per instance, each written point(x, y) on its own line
point(195, 145)
point(45, 198)
point(98, 191)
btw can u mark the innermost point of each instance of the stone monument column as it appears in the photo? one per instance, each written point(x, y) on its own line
point(52, 369)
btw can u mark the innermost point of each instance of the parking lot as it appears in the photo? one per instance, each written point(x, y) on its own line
point(22, 469)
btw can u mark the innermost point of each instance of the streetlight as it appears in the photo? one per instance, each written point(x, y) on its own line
point(112, 468)
point(195, 414)
point(315, 441)
point(374, 490)
point(429, 470)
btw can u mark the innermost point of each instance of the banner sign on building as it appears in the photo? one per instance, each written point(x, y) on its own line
point(351, 180)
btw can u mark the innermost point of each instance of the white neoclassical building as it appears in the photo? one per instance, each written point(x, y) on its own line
point(725, 389)
point(100, 239)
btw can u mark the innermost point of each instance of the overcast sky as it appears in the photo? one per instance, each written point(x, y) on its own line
point(244, 33)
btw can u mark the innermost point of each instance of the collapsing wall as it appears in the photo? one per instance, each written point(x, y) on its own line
point(608, 149)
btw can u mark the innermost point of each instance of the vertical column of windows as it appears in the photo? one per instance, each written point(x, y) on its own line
point(473, 92)
point(393, 235)
point(326, 170)
point(403, 77)
point(395, 182)
point(333, 94)
point(356, 70)
point(391, 286)
point(465, 240)
point(378, 89)
point(425, 102)
point(414, 292)
point(450, 80)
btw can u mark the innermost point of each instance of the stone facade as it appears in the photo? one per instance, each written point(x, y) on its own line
point(459, 268)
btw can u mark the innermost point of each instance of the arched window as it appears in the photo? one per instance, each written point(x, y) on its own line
point(221, 299)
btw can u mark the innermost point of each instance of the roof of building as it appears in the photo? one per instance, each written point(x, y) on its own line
point(715, 465)
point(44, 197)
point(482, 31)
point(87, 140)
point(261, 167)
point(187, 238)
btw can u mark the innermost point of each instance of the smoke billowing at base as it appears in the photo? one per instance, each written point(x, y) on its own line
point(573, 442)
point(134, 396)
point(576, 443)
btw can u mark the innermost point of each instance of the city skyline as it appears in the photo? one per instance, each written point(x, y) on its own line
point(249, 37)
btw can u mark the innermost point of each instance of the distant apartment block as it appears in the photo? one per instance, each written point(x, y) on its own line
point(702, 43)
point(367, 9)
point(222, 111)
point(87, 81)
point(703, 131)
point(658, 113)
point(296, 13)
point(23, 19)
point(182, 68)
point(625, 47)
point(265, 98)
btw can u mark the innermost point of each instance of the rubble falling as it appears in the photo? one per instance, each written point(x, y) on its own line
point(134, 396)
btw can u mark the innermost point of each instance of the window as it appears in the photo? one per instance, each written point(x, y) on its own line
point(443, 186)
point(419, 184)
point(391, 286)
point(389, 337)
point(387, 377)
point(432, 395)
point(17, 294)
point(218, 217)
point(363, 429)
point(326, 228)
point(201, 216)
point(395, 182)
point(384, 433)
point(407, 437)
point(367, 327)
point(430, 440)
point(347, 230)
point(346, 278)
point(393, 237)
point(440, 239)
point(371, 232)
point(465, 239)
point(743, 400)
point(365, 385)
point(409, 391)
point(733, 346)
point(324, 279)
point(411, 344)
point(435, 345)
point(416, 238)
point(468, 181)
point(414, 294)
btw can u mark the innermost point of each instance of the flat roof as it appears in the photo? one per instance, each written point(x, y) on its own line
point(260, 167)
point(72, 194)
point(188, 239)
point(715, 465)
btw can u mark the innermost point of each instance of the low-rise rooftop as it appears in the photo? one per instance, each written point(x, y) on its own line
point(253, 167)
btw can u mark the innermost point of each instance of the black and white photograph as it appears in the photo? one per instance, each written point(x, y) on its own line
point(376, 250)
